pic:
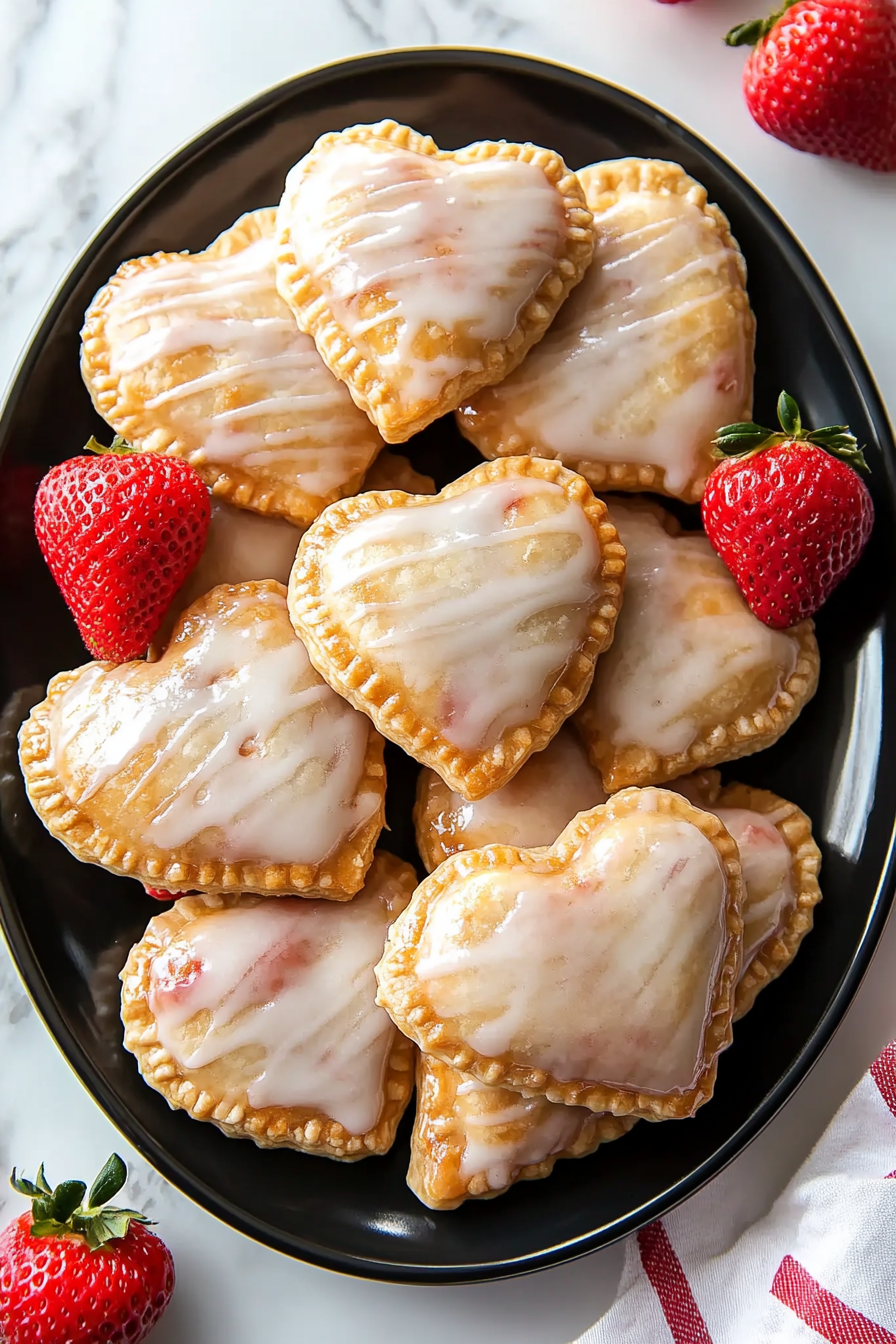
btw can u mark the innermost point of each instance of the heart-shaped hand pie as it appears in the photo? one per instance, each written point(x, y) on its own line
point(424, 274)
point(780, 863)
point(472, 1141)
point(241, 547)
point(540, 800)
point(199, 357)
point(228, 765)
point(693, 678)
point(466, 624)
point(647, 358)
point(599, 972)
point(260, 1016)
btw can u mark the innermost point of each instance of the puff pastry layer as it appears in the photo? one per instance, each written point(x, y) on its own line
point(228, 765)
point(424, 274)
point(693, 678)
point(467, 624)
point(472, 1141)
point(259, 1016)
point(780, 862)
point(197, 356)
point(598, 972)
point(650, 354)
point(540, 800)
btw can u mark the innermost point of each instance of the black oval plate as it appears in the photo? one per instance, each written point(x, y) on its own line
point(69, 925)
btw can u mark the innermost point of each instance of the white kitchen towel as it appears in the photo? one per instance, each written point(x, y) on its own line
point(820, 1266)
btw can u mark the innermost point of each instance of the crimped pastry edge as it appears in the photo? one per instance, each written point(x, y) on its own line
point(714, 745)
point(127, 417)
point(403, 997)
point(371, 391)
point(303, 1128)
point(596, 1129)
point(337, 877)
point(779, 949)
point(603, 183)
point(354, 676)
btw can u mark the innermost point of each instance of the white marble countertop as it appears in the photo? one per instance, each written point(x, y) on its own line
point(92, 93)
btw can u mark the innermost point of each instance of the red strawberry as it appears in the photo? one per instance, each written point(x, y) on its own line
point(120, 533)
point(787, 513)
point(75, 1273)
point(822, 77)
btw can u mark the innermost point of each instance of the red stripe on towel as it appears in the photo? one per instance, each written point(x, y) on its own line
point(821, 1310)
point(883, 1071)
point(663, 1268)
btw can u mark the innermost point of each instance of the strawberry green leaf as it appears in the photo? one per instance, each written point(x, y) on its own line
point(789, 415)
point(748, 34)
point(743, 437)
point(118, 446)
point(23, 1186)
point(48, 1227)
point(43, 1208)
point(108, 1182)
point(42, 1183)
point(66, 1198)
point(745, 34)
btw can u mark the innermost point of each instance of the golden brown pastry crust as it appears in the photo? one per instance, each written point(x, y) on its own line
point(303, 1128)
point(404, 998)
point(795, 829)
point(603, 184)
point(393, 471)
point(120, 401)
point(438, 1141)
point(369, 386)
point(779, 950)
point(350, 672)
point(635, 766)
point(338, 877)
point(440, 831)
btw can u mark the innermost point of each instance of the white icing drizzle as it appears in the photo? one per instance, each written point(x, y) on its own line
point(540, 1129)
point(768, 875)
point(594, 388)
point(620, 955)
point(287, 991)
point(254, 757)
point(540, 800)
point(688, 652)
point(480, 600)
point(266, 398)
point(414, 251)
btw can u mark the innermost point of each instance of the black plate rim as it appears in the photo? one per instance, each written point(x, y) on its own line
point(15, 937)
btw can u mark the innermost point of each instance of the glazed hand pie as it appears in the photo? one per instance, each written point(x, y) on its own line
point(649, 356)
point(531, 810)
point(467, 624)
point(241, 546)
point(424, 274)
point(780, 862)
point(196, 355)
point(228, 765)
point(260, 1017)
point(693, 678)
point(472, 1141)
point(599, 972)
point(393, 471)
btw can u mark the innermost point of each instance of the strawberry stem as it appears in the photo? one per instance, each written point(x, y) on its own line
point(754, 30)
point(119, 446)
point(60, 1212)
point(746, 437)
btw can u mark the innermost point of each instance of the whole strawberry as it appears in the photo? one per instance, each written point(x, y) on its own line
point(822, 77)
point(81, 1273)
point(120, 533)
point(787, 513)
